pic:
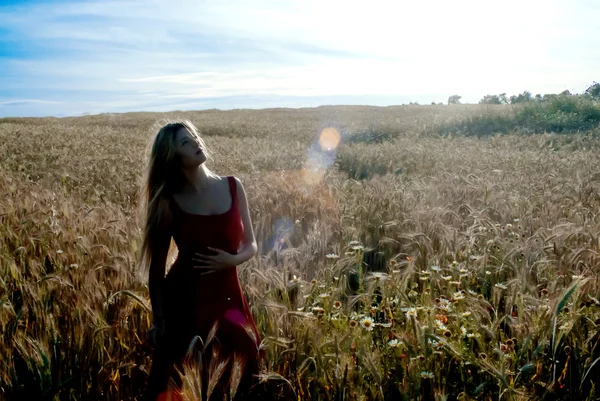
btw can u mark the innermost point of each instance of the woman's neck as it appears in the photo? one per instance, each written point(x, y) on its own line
point(197, 179)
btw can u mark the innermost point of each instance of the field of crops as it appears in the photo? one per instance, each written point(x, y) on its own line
point(394, 263)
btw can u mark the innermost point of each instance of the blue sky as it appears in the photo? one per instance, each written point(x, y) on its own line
point(61, 57)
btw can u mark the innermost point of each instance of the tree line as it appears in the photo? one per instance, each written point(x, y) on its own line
point(593, 91)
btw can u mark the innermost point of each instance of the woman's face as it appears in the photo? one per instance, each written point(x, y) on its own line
point(188, 148)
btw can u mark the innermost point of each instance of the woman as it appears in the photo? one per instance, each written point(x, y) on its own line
point(207, 217)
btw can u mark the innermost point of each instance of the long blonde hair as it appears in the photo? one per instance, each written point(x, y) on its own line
point(163, 177)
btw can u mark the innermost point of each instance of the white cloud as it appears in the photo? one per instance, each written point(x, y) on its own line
point(26, 101)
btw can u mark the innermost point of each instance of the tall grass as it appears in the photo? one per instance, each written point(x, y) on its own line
point(449, 268)
point(558, 114)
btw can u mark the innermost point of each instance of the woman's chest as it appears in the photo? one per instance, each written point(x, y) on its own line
point(223, 231)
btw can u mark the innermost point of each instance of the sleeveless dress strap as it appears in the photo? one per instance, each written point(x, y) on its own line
point(233, 189)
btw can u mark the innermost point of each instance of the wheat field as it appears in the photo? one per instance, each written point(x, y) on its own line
point(394, 263)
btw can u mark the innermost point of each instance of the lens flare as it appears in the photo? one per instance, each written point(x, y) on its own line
point(170, 395)
point(321, 155)
point(312, 175)
point(282, 229)
point(329, 139)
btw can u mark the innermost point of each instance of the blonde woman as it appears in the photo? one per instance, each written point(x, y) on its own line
point(207, 217)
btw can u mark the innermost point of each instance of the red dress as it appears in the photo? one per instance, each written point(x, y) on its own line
point(194, 302)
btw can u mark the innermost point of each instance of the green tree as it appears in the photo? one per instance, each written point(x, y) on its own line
point(494, 99)
point(454, 99)
point(593, 90)
point(522, 98)
point(490, 99)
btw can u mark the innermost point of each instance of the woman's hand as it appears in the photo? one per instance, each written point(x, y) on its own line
point(212, 263)
point(156, 332)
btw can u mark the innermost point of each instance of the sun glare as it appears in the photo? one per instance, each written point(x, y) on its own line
point(329, 139)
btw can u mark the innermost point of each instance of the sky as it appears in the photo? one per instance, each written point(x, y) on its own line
point(64, 58)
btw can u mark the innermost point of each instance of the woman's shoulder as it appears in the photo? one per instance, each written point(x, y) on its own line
point(236, 186)
point(233, 178)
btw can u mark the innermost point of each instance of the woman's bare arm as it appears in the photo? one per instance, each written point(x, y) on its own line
point(249, 247)
point(157, 274)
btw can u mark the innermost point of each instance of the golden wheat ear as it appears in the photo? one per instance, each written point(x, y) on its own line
point(216, 369)
point(173, 391)
point(212, 334)
point(192, 382)
point(192, 368)
point(250, 331)
point(237, 372)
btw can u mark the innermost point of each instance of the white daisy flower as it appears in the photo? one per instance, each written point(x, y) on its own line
point(458, 295)
point(440, 325)
point(412, 312)
point(367, 323)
